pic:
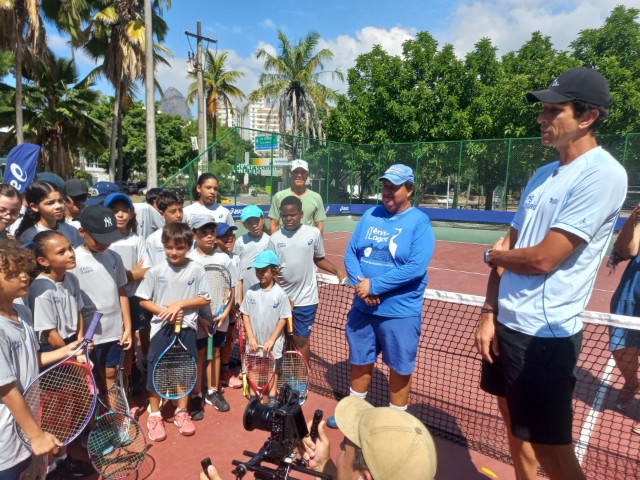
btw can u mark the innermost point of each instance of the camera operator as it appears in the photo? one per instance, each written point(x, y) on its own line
point(379, 444)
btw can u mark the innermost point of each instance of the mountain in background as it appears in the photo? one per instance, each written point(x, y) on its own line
point(175, 103)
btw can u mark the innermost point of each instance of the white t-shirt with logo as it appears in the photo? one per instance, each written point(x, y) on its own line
point(583, 198)
point(296, 251)
point(219, 213)
point(248, 248)
point(131, 249)
point(155, 249)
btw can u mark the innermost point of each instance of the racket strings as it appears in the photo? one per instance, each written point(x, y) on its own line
point(219, 289)
point(260, 368)
point(62, 400)
point(175, 373)
point(116, 445)
point(115, 399)
point(294, 371)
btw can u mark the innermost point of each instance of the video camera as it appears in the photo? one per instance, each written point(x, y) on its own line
point(287, 426)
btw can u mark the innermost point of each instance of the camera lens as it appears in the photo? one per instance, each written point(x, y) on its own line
point(257, 416)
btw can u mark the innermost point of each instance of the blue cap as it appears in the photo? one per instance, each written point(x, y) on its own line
point(117, 197)
point(250, 211)
point(223, 228)
point(199, 221)
point(99, 192)
point(266, 258)
point(398, 174)
point(53, 179)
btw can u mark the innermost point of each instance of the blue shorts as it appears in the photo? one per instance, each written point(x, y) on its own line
point(620, 338)
point(106, 354)
point(303, 318)
point(140, 319)
point(159, 343)
point(45, 347)
point(219, 341)
point(397, 338)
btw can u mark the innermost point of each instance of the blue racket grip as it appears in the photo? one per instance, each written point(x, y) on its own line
point(92, 328)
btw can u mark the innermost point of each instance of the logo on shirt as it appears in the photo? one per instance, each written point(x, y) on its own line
point(57, 300)
point(310, 241)
point(190, 282)
point(377, 235)
point(162, 279)
point(281, 245)
point(15, 346)
point(367, 251)
point(554, 201)
point(393, 246)
point(220, 215)
point(85, 270)
point(276, 305)
point(528, 203)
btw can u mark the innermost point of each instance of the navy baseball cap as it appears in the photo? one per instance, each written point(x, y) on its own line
point(582, 84)
point(53, 179)
point(398, 174)
point(223, 228)
point(100, 222)
point(99, 192)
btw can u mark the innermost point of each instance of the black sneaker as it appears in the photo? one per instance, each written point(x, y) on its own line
point(74, 467)
point(196, 408)
point(217, 400)
point(57, 474)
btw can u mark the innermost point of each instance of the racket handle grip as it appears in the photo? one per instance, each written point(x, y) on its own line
point(178, 327)
point(317, 417)
point(123, 354)
point(289, 325)
point(92, 327)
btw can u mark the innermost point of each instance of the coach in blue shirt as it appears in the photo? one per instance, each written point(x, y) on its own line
point(387, 259)
point(542, 275)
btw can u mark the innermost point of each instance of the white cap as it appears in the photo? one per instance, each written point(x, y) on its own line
point(300, 164)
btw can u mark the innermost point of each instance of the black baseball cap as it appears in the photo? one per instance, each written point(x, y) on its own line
point(100, 222)
point(583, 84)
point(76, 187)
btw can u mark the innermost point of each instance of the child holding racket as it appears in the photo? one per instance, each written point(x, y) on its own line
point(19, 362)
point(102, 278)
point(173, 291)
point(45, 211)
point(56, 302)
point(205, 253)
point(265, 310)
point(133, 251)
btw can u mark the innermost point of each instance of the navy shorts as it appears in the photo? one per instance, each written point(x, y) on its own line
point(106, 354)
point(396, 338)
point(303, 318)
point(45, 347)
point(620, 338)
point(163, 339)
point(537, 376)
point(140, 319)
point(219, 341)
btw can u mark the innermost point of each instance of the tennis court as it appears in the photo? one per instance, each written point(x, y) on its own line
point(468, 429)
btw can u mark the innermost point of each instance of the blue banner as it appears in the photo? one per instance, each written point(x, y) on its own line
point(21, 165)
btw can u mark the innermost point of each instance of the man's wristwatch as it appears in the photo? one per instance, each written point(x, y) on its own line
point(486, 258)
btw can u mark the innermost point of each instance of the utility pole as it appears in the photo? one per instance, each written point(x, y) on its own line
point(198, 62)
point(152, 165)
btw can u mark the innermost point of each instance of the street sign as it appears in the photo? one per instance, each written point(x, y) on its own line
point(266, 142)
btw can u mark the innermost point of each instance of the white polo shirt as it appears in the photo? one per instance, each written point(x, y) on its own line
point(583, 198)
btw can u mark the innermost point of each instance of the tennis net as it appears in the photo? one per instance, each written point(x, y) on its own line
point(445, 389)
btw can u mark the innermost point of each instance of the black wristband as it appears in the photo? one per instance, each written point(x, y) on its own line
point(488, 310)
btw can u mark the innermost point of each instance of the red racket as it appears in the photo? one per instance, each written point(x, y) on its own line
point(294, 369)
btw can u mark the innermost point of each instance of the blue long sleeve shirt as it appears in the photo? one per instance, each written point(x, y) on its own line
point(393, 251)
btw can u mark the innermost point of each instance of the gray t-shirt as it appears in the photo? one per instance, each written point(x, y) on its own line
point(265, 308)
point(70, 232)
point(131, 249)
point(312, 206)
point(149, 219)
point(247, 248)
point(155, 249)
point(19, 364)
point(55, 305)
point(296, 251)
point(100, 276)
point(217, 258)
point(165, 283)
point(219, 213)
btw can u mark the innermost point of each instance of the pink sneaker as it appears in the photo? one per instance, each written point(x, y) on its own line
point(235, 382)
point(182, 420)
point(155, 424)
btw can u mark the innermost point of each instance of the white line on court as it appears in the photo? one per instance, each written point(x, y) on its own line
point(596, 409)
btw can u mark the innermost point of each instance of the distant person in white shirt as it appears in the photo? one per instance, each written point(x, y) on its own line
point(147, 214)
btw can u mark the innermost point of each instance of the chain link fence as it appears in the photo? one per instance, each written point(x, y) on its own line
point(490, 174)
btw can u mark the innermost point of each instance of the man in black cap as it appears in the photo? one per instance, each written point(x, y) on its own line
point(530, 333)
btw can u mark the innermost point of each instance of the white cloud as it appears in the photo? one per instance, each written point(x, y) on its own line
point(267, 23)
point(510, 23)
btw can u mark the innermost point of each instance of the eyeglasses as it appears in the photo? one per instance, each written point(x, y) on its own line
point(11, 213)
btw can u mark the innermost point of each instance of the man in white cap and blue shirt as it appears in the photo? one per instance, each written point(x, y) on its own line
point(313, 213)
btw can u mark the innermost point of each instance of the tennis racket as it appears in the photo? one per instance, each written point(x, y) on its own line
point(174, 374)
point(219, 281)
point(243, 355)
point(63, 397)
point(294, 369)
point(116, 445)
point(37, 469)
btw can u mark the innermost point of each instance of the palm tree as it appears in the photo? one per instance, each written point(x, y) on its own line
point(291, 80)
point(16, 16)
point(56, 113)
point(117, 36)
point(219, 87)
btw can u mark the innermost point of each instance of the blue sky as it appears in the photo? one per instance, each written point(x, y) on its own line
point(351, 27)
